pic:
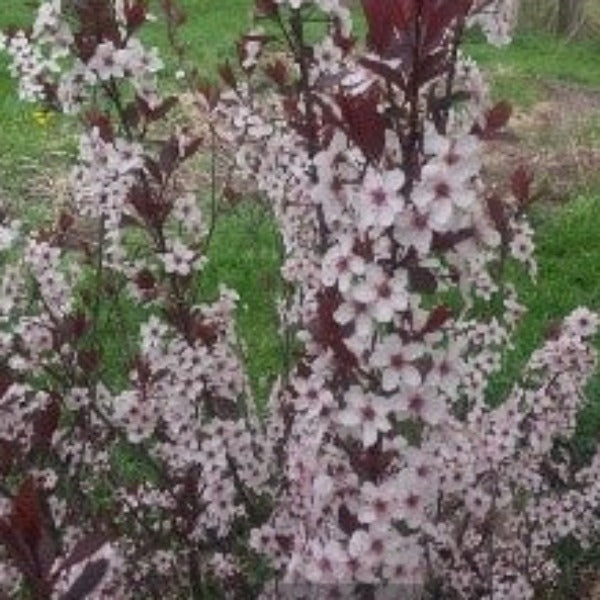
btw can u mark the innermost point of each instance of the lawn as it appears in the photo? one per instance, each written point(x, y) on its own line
point(518, 72)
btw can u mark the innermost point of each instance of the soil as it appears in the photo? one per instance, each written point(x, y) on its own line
point(554, 139)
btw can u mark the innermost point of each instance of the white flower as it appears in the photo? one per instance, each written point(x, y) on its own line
point(367, 413)
point(179, 259)
point(377, 503)
point(384, 296)
point(521, 247)
point(107, 61)
point(412, 500)
point(447, 368)
point(421, 402)
point(356, 313)
point(396, 358)
point(414, 228)
point(8, 235)
point(328, 55)
point(341, 265)
point(379, 199)
point(582, 322)
point(461, 155)
point(140, 61)
point(187, 212)
point(440, 190)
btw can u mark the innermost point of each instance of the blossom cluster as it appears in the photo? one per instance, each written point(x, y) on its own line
point(182, 408)
point(380, 466)
point(398, 473)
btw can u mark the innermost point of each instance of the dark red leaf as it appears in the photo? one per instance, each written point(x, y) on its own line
point(88, 360)
point(266, 8)
point(278, 72)
point(6, 380)
point(135, 14)
point(498, 214)
point(371, 463)
point(155, 114)
point(446, 241)
point(384, 70)
point(173, 11)
point(496, 118)
point(347, 520)
point(65, 221)
point(132, 113)
point(342, 41)
point(191, 148)
point(366, 125)
point(520, 184)
point(388, 21)
point(102, 122)
point(431, 67)
point(7, 456)
point(145, 280)
point(439, 16)
point(26, 515)
point(88, 581)
point(437, 318)
point(227, 75)
point(204, 330)
point(153, 169)
point(72, 328)
point(328, 332)
point(210, 92)
point(169, 155)
point(83, 549)
point(45, 554)
point(21, 554)
point(44, 425)
point(147, 205)
point(422, 280)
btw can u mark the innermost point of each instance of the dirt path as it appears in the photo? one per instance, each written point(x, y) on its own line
point(558, 138)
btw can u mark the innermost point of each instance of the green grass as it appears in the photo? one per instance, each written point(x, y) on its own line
point(568, 253)
point(209, 33)
point(245, 256)
point(244, 252)
point(518, 71)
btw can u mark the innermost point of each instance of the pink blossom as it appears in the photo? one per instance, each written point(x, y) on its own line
point(366, 413)
point(396, 359)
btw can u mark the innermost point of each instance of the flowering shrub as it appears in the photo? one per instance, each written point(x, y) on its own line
point(380, 469)
point(73, 524)
point(397, 475)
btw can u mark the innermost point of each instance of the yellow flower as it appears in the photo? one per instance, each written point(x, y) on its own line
point(42, 117)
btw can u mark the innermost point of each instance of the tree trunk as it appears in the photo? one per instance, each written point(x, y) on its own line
point(570, 16)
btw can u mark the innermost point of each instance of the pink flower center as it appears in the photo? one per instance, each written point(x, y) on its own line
point(379, 197)
point(416, 403)
point(368, 413)
point(397, 361)
point(442, 190)
point(384, 290)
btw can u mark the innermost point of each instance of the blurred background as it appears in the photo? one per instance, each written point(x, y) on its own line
point(571, 18)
